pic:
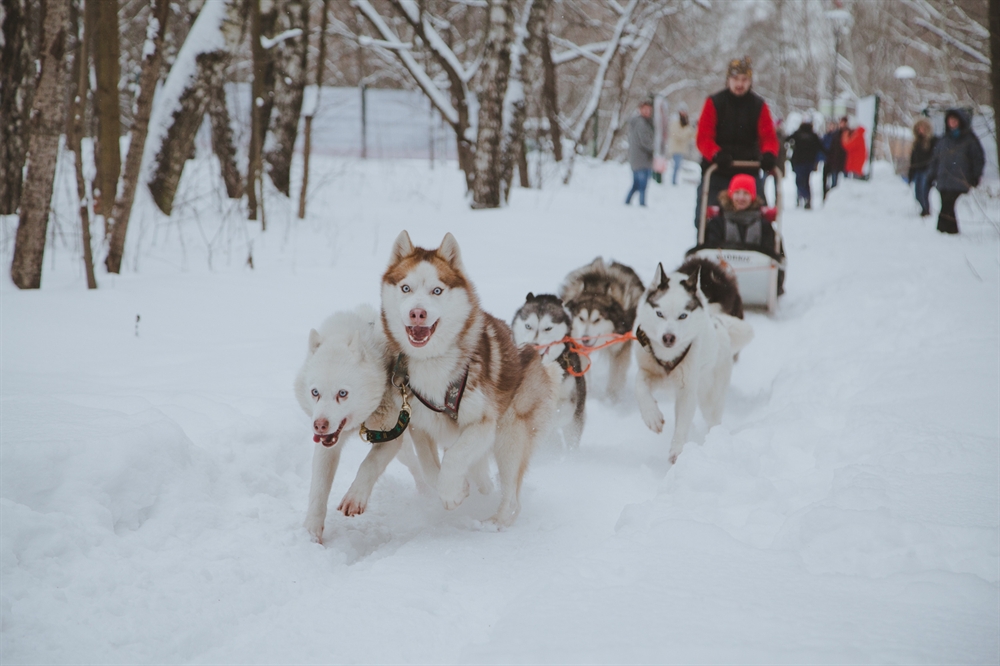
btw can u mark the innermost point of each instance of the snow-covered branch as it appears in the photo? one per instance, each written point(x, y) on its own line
point(270, 42)
point(957, 43)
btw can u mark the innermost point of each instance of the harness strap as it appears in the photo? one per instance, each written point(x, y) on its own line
point(669, 366)
point(452, 395)
point(380, 436)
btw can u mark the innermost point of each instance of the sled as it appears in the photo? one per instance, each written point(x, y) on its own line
point(757, 274)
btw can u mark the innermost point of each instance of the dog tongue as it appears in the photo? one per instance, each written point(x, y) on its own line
point(420, 333)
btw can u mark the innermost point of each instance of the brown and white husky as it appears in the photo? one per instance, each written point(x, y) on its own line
point(475, 391)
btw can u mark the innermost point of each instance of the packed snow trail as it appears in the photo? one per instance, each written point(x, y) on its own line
point(155, 473)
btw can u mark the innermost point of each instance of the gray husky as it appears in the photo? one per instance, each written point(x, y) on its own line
point(602, 301)
point(543, 322)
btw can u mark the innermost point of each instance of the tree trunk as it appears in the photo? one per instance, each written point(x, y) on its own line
point(486, 186)
point(102, 24)
point(48, 121)
point(289, 82)
point(222, 141)
point(261, 90)
point(995, 66)
point(525, 65)
point(550, 98)
point(307, 148)
point(148, 77)
point(17, 81)
point(199, 68)
point(74, 131)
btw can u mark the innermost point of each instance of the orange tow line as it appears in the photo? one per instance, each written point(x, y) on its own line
point(577, 346)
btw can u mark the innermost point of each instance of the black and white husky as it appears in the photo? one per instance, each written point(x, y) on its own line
point(601, 299)
point(687, 343)
point(543, 321)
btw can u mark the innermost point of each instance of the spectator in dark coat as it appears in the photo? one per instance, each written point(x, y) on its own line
point(640, 150)
point(956, 166)
point(833, 155)
point(920, 162)
point(807, 148)
point(735, 124)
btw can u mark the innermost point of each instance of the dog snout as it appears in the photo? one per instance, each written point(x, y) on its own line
point(669, 339)
point(418, 317)
point(321, 426)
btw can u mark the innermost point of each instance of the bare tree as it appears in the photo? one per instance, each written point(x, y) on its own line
point(102, 24)
point(291, 49)
point(186, 94)
point(494, 72)
point(74, 130)
point(17, 81)
point(48, 120)
point(261, 90)
point(311, 111)
point(148, 77)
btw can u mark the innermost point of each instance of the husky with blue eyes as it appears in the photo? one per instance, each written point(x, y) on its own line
point(543, 322)
point(686, 343)
point(476, 395)
point(343, 384)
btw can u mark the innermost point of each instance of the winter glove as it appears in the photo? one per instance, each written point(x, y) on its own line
point(723, 159)
point(767, 162)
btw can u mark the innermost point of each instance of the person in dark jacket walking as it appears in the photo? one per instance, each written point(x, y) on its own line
point(640, 150)
point(735, 124)
point(920, 162)
point(956, 166)
point(807, 148)
point(833, 155)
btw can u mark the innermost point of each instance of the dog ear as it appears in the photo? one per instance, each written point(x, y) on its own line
point(402, 248)
point(449, 251)
point(314, 340)
point(660, 279)
point(530, 297)
point(597, 263)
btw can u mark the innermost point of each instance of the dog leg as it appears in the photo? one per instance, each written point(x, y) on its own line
point(324, 467)
point(687, 402)
point(651, 414)
point(480, 475)
point(472, 445)
point(408, 456)
point(356, 499)
point(618, 374)
point(427, 455)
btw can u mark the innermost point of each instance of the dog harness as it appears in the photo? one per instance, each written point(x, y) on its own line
point(570, 362)
point(669, 366)
point(380, 436)
point(452, 395)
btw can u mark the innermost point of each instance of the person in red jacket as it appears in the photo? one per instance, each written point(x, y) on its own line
point(857, 152)
point(735, 124)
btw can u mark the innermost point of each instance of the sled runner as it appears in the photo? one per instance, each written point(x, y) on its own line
point(758, 275)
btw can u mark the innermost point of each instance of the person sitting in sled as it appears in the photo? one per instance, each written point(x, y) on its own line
point(740, 224)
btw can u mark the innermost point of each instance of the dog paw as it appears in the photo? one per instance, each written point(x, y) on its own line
point(314, 526)
point(675, 451)
point(653, 418)
point(352, 505)
point(452, 491)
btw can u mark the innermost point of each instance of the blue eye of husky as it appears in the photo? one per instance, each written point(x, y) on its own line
point(683, 315)
point(528, 326)
point(437, 291)
point(315, 393)
point(342, 394)
point(405, 288)
point(659, 314)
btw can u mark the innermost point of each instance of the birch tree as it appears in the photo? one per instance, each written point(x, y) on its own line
point(148, 77)
point(48, 122)
point(102, 24)
point(290, 51)
point(18, 55)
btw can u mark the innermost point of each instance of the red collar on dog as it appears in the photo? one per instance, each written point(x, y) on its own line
point(669, 366)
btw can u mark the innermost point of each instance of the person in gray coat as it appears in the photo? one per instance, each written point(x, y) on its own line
point(956, 166)
point(640, 150)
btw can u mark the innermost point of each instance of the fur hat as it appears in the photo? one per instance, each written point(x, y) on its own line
point(743, 181)
point(737, 66)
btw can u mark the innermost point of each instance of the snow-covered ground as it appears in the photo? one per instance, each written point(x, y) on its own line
point(155, 466)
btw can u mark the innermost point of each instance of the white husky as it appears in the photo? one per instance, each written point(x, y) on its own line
point(345, 382)
point(475, 391)
point(688, 345)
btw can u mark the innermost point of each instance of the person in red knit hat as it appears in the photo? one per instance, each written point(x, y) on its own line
point(740, 224)
point(735, 124)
